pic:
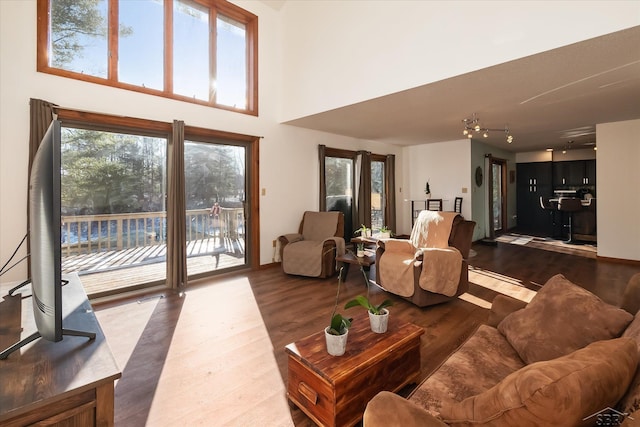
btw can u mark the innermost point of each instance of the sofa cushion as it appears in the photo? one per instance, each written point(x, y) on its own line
point(563, 391)
point(561, 318)
point(479, 364)
point(631, 400)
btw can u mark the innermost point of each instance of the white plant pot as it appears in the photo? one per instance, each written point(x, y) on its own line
point(384, 235)
point(379, 322)
point(336, 344)
point(367, 233)
point(360, 253)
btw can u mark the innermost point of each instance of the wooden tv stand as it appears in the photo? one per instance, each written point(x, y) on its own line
point(70, 382)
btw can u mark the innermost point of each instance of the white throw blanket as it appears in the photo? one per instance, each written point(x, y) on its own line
point(428, 246)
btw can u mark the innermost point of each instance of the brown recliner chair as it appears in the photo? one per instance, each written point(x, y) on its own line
point(313, 249)
point(460, 238)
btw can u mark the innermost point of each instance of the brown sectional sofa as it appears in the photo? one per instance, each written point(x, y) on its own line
point(566, 358)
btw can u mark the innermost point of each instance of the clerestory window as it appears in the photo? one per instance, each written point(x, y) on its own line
point(200, 51)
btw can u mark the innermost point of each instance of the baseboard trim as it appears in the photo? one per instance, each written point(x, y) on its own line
point(618, 260)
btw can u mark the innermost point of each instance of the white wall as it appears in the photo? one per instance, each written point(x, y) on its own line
point(617, 187)
point(534, 156)
point(341, 52)
point(579, 154)
point(288, 155)
point(446, 165)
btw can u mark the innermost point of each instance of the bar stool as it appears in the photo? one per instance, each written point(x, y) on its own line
point(569, 205)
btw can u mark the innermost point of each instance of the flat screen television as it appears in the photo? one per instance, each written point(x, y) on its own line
point(44, 241)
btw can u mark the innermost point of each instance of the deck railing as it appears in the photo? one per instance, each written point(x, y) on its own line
point(97, 233)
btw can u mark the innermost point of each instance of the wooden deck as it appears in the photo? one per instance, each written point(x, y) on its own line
point(113, 271)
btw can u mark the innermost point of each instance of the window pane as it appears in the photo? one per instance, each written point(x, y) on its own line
point(191, 72)
point(338, 175)
point(215, 196)
point(231, 62)
point(79, 36)
point(141, 43)
point(377, 195)
point(113, 208)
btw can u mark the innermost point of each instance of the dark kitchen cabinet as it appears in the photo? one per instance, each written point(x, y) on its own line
point(574, 173)
point(534, 180)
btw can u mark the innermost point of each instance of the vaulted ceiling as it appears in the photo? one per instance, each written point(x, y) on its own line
point(549, 100)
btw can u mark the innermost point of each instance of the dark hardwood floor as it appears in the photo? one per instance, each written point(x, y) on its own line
point(214, 355)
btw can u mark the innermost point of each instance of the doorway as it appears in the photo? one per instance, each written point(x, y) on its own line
point(498, 195)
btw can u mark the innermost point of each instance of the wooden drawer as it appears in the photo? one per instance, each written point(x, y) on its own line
point(311, 393)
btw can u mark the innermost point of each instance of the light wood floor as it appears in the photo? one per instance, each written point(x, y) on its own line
point(214, 355)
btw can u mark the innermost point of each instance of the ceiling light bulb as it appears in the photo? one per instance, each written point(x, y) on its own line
point(485, 134)
point(509, 139)
point(477, 128)
point(465, 132)
point(470, 136)
point(595, 148)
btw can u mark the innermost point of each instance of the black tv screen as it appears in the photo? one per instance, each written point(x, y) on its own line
point(45, 224)
point(44, 235)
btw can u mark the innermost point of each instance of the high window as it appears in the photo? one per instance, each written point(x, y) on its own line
point(200, 51)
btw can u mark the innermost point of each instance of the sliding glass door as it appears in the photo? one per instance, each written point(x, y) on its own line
point(115, 185)
point(215, 194)
point(113, 208)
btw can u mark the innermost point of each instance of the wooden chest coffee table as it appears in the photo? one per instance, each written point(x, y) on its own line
point(334, 390)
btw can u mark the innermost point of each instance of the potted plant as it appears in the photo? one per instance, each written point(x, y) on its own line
point(385, 232)
point(378, 314)
point(360, 250)
point(364, 231)
point(337, 332)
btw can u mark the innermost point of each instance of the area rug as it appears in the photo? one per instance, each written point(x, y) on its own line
point(549, 244)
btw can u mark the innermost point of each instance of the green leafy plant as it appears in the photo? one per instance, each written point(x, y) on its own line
point(362, 230)
point(360, 247)
point(365, 302)
point(385, 229)
point(338, 324)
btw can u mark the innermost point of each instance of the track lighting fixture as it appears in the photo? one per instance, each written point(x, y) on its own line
point(473, 125)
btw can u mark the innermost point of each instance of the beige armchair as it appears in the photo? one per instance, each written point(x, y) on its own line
point(431, 267)
point(313, 249)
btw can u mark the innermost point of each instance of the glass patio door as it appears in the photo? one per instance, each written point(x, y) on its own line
point(378, 196)
point(113, 209)
point(498, 174)
point(215, 195)
point(338, 175)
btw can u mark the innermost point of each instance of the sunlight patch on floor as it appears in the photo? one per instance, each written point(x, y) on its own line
point(475, 300)
point(235, 349)
point(219, 358)
point(498, 283)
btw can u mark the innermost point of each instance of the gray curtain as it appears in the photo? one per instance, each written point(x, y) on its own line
point(323, 183)
point(41, 117)
point(390, 192)
point(176, 210)
point(362, 198)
